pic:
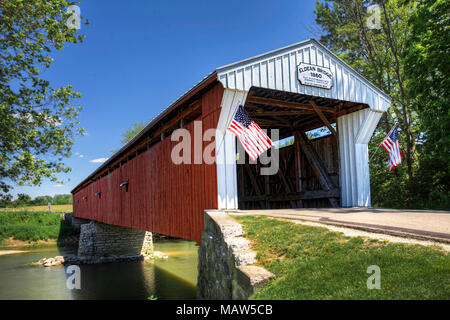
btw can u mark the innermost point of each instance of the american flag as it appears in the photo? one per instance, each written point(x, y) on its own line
point(390, 144)
point(254, 140)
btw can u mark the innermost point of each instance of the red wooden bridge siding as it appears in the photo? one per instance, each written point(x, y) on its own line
point(162, 197)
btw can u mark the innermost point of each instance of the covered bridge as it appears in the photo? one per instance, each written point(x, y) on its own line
point(294, 89)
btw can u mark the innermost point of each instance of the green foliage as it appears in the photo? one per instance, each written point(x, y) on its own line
point(41, 201)
point(131, 132)
point(5, 200)
point(24, 200)
point(427, 66)
point(61, 199)
point(315, 263)
point(32, 226)
point(408, 58)
point(37, 122)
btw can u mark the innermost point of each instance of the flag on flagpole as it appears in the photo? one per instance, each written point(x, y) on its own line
point(390, 144)
point(254, 140)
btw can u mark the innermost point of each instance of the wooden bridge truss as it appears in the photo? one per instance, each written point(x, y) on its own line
point(309, 169)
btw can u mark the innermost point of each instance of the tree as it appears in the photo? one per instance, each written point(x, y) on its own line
point(407, 57)
point(131, 132)
point(377, 54)
point(37, 122)
point(5, 200)
point(42, 200)
point(62, 199)
point(22, 200)
point(427, 69)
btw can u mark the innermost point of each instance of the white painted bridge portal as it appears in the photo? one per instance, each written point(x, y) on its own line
point(277, 70)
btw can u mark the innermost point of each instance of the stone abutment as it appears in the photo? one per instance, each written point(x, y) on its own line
point(226, 263)
point(104, 243)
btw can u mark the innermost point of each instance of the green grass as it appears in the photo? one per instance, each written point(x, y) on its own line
point(315, 263)
point(32, 226)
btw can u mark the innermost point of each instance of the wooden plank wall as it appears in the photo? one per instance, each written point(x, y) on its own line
point(326, 148)
point(162, 197)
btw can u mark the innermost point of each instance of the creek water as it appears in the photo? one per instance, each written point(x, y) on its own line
point(174, 278)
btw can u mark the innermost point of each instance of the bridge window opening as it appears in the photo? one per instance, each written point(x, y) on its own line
point(308, 173)
point(320, 132)
point(283, 143)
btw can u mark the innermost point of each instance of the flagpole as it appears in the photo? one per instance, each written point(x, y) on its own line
point(373, 154)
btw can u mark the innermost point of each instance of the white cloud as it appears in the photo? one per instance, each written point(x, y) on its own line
point(59, 185)
point(99, 160)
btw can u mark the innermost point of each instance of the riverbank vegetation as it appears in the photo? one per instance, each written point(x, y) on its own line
point(32, 226)
point(315, 263)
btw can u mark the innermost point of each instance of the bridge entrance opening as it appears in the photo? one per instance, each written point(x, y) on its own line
point(308, 151)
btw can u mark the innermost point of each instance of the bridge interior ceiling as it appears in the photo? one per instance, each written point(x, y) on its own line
point(308, 174)
point(292, 112)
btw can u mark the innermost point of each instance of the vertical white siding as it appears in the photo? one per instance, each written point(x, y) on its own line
point(225, 151)
point(278, 70)
point(355, 130)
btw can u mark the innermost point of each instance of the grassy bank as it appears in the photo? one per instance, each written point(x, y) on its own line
point(32, 226)
point(315, 263)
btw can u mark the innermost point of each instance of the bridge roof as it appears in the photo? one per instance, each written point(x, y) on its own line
point(166, 113)
point(277, 70)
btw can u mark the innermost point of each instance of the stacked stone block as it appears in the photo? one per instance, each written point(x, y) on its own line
point(103, 240)
point(226, 269)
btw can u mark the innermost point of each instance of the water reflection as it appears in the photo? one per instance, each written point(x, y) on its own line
point(171, 279)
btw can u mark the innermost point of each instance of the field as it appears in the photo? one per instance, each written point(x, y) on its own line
point(55, 208)
point(316, 263)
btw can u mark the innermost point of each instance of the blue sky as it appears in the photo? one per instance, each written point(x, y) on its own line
point(140, 56)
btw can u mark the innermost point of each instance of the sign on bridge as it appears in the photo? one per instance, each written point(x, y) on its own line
point(315, 76)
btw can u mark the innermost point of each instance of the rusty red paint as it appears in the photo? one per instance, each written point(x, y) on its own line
point(162, 197)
